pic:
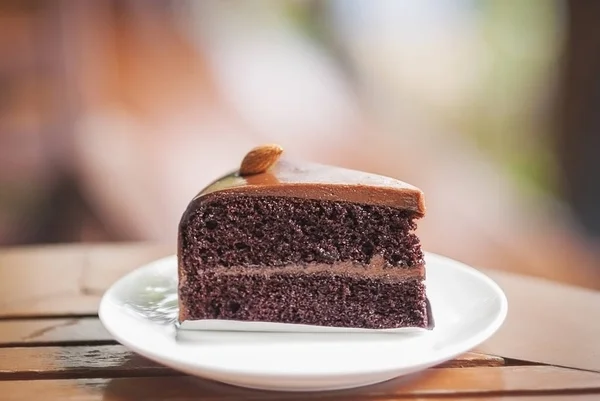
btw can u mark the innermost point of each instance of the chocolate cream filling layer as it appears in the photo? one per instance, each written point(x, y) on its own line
point(377, 268)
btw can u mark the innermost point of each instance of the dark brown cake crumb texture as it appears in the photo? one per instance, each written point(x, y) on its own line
point(257, 233)
point(278, 231)
point(317, 299)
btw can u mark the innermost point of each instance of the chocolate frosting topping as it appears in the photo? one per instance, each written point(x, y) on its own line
point(321, 182)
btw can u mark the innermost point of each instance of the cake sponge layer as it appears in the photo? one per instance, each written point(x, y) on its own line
point(291, 296)
point(221, 230)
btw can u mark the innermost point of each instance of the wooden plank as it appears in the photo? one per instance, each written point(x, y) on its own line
point(548, 323)
point(442, 383)
point(76, 362)
point(69, 280)
point(66, 280)
point(52, 332)
point(474, 359)
point(116, 361)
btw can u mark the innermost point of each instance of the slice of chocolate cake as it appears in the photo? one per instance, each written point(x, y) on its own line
point(278, 241)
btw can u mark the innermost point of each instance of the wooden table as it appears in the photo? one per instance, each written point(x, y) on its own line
point(53, 347)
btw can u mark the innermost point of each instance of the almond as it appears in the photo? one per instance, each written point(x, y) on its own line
point(260, 159)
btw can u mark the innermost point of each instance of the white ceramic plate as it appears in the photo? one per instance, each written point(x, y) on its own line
point(140, 311)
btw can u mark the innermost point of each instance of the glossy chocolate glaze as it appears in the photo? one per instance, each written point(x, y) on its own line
point(321, 182)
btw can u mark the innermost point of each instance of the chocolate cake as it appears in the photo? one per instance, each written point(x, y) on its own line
point(290, 242)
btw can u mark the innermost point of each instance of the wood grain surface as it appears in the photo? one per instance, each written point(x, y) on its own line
point(548, 323)
point(48, 331)
point(465, 382)
point(66, 280)
point(53, 346)
point(536, 307)
point(116, 360)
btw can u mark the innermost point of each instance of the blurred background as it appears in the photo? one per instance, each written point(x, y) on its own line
point(113, 114)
